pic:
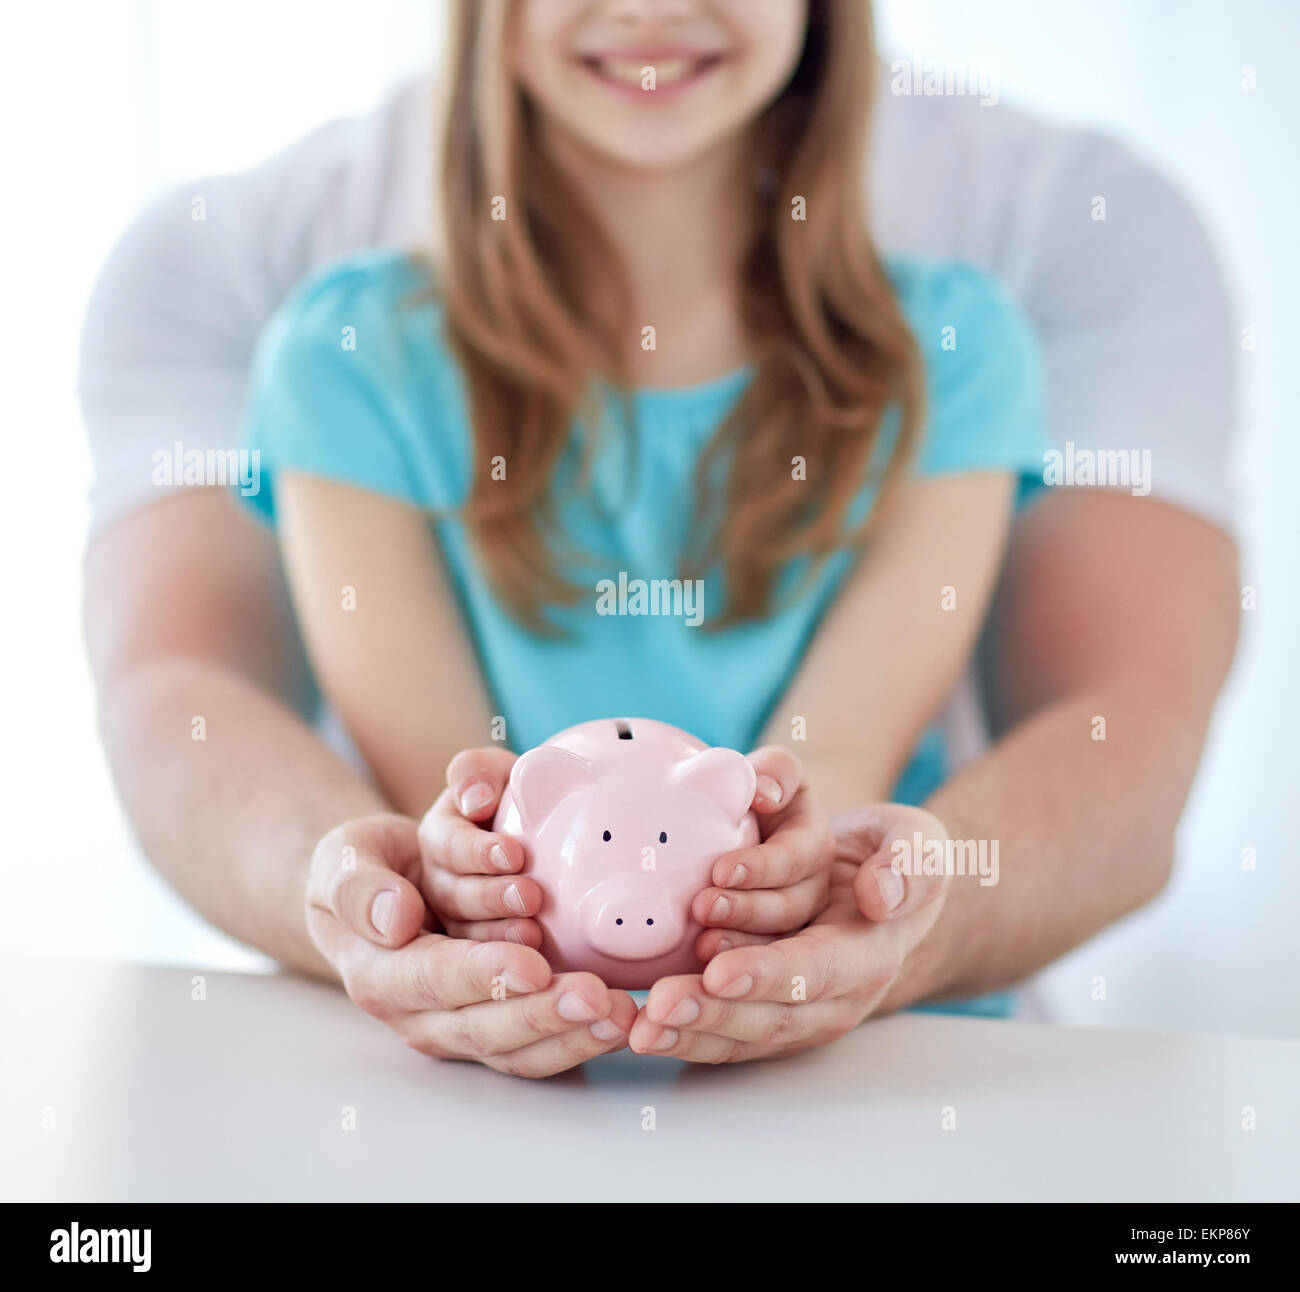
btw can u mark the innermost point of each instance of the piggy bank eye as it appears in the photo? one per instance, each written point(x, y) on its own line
point(605, 836)
point(663, 836)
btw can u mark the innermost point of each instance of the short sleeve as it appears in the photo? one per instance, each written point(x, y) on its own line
point(165, 344)
point(176, 310)
point(985, 405)
point(1111, 263)
point(1136, 317)
point(326, 387)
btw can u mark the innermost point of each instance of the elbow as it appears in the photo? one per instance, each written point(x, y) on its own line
point(1154, 874)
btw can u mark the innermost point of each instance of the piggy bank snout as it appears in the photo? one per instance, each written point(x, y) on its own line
point(637, 918)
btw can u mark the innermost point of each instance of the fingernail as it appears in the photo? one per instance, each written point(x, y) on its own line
point(720, 909)
point(513, 935)
point(472, 797)
point(737, 876)
point(606, 1029)
point(514, 982)
point(497, 856)
point(737, 987)
point(891, 887)
point(667, 1039)
point(382, 910)
point(573, 1009)
point(769, 788)
point(724, 944)
point(687, 1011)
point(514, 900)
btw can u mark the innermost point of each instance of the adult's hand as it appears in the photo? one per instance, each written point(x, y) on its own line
point(494, 1002)
point(765, 1001)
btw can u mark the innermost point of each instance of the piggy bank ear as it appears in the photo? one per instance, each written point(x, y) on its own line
point(723, 775)
point(543, 777)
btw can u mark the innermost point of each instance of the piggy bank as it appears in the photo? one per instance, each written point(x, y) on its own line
point(622, 820)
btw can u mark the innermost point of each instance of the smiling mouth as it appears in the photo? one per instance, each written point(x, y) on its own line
point(669, 73)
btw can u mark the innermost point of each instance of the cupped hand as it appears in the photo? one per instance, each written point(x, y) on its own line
point(470, 874)
point(497, 1003)
point(472, 880)
point(781, 882)
point(762, 1000)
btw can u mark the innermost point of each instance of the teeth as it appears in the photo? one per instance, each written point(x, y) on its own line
point(629, 72)
point(673, 69)
point(622, 69)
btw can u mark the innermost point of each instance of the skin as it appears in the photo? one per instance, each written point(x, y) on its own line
point(671, 130)
point(1107, 605)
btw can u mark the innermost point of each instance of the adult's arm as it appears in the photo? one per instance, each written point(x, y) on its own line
point(269, 834)
point(187, 619)
point(1110, 608)
point(186, 612)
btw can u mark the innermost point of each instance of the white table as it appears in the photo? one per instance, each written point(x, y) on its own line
point(154, 1095)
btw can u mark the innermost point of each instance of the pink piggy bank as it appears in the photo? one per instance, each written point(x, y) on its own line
point(622, 820)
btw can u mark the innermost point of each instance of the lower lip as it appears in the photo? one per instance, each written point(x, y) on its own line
point(662, 93)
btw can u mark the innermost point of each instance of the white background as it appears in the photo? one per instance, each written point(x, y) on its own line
point(103, 102)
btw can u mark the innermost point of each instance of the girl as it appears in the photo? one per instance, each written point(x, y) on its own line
point(654, 343)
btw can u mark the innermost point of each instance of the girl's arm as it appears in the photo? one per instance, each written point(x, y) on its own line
point(383, 632)
point(896, 641)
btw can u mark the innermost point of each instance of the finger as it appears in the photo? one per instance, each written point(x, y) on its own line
point(779, 775)
point(810, 965)
point(883, 891)
point(698, 1047)
point(363, 888)
point(797, 844)
point(449, 841)
point(478, 897)
point(525, 933)
point(568, 1049)
point(775, 910)
point(681, 1004)
point(678, 999)
point(713, 942)
point(476, 778)
point(496, 1027)
point(882, 839)
point(439, 973)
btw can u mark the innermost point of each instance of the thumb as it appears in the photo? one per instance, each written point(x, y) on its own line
point(357, 877)
point(889, 842)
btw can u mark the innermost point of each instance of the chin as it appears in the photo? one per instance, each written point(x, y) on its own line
point(653, 149)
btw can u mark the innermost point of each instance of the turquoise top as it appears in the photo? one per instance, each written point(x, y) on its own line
point(353, 381)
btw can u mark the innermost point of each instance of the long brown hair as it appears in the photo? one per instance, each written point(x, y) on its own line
point(535, 311)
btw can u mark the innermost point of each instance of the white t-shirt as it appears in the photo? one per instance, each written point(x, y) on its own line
point(1131, 310)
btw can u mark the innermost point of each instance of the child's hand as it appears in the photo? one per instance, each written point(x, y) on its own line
point(470, 875)
point(781, 883)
